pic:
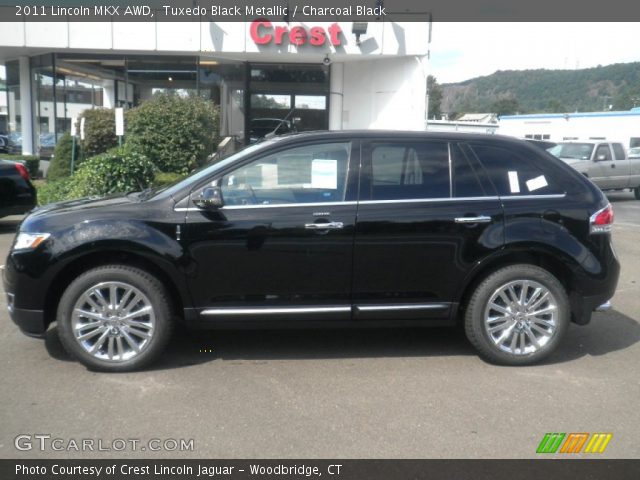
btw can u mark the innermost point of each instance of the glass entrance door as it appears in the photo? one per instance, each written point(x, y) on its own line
point(287, 98)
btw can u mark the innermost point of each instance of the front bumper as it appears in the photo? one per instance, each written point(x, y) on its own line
point(30, 322)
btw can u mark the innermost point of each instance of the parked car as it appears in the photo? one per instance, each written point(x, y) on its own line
point(605, 163)
point(4, 144)
point(15, 143)
point(17, 194)
point(326, 229)
point(542, 144)
point(47, 146)
point(634, 152)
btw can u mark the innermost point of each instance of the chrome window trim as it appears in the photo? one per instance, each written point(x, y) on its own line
point(531, 197)
point(428, 200)
point(273, 310)
point(381, 202)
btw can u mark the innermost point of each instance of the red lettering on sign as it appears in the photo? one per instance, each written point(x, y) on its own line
point(298, 36)
point(318, 36)
point(255, 32)
point(263, 33)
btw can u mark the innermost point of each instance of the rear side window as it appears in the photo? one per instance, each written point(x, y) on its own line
point(618, 151)
point(514, 174)
point(409, 171)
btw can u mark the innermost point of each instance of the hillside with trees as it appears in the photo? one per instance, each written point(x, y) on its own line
point(537, 91)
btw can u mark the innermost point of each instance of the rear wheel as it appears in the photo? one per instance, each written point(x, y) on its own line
point(636, 192)
point(517, 315)
point(115, 318)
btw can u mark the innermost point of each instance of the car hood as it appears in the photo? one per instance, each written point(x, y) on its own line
point(57, 216)
point(573, 161)
point(70, 206)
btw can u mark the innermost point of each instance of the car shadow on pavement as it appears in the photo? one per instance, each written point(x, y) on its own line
point(9, 225)
point(607, 333)
point(615, 197)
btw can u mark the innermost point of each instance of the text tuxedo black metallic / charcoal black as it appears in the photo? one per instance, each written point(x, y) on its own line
point(326, 229)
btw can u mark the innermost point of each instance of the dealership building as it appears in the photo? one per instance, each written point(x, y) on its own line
point(616, 126)
point(344, 75)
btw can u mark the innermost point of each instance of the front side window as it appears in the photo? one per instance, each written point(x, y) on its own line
point(410, 171)
point(514, 174)
point(574, 151)
point(603, 153)
point(309, 174)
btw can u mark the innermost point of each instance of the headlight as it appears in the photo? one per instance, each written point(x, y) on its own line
point(29, 241)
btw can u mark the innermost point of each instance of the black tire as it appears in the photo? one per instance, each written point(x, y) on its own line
point(476, 328)
point(142, 282)
point(636, 192)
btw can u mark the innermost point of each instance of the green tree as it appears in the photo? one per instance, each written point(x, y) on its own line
point(435, 97)
point(555, 106)
point(505, 106)
point(176, 133)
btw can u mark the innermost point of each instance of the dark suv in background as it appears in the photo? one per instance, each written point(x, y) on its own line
point(326, 229)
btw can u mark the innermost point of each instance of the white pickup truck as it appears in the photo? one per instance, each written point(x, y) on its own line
point(605, 163)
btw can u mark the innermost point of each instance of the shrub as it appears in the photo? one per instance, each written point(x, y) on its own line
point(33, 167)
point(174, 132)
point(118, 170)
point(55, 191)
point(60, 166)
point(99, 131)
point(163, 178)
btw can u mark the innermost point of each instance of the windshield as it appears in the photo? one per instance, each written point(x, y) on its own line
point(578, 151)
point(206, 170)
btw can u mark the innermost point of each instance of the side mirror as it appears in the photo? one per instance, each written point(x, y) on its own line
point(601, 158)
point(209, 199)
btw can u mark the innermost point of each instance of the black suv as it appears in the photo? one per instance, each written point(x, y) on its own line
point(326, 229)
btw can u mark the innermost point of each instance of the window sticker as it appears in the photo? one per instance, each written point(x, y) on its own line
point(514, 183)
point(537, 183)
point(324, 173)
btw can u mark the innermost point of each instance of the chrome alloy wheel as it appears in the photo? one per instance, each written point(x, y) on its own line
point(521, 317)
point(113, 321)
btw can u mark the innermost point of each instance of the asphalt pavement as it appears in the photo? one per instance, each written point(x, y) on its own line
point(409, 393)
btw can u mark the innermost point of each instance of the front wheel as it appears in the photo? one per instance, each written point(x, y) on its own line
point(517, 315)
point(115, 318)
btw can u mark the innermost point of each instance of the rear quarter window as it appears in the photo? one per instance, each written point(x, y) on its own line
point(514, 173)
point(618, 151)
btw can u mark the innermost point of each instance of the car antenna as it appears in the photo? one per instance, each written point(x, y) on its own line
point(273, 132)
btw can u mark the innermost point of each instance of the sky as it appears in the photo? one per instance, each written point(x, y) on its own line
point(460, 51)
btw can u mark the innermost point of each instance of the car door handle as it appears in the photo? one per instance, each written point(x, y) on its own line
point(478, 219)
point(324, 226)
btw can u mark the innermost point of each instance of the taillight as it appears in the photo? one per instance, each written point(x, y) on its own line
point(22, 170)
point(602, 220)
